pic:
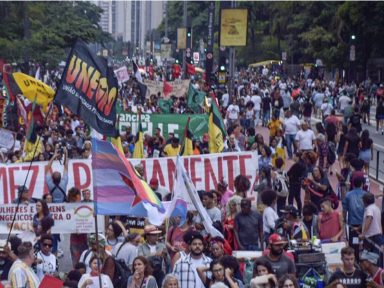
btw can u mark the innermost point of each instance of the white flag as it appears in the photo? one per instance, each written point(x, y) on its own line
point(184, 189)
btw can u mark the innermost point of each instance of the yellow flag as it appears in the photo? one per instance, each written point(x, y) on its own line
point(138, 151)
point(187, 148)
point(116, 141)
point(33, 89)
point(216, 130)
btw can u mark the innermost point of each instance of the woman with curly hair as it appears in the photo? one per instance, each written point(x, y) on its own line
point(288, 281)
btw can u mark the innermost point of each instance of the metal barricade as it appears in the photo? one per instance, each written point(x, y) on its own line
point(376, 166)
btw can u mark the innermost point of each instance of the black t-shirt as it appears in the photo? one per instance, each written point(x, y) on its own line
point(266, 101)
point(356, 280)
point(355, 121)
point(5, 266)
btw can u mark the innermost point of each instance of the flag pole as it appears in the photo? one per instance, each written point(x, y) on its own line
point(29, 167)
point(98, 249)
point(182, 147)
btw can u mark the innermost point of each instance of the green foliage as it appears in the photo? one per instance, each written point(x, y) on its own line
point(305, 30)
point(43, 31)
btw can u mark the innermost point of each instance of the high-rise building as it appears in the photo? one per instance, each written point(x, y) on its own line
point(131, 20)
point(106, 20)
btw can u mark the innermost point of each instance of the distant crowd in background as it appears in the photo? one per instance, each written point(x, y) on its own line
point(316, 131)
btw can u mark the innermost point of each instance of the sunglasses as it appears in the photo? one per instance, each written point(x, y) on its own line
point(47, 245)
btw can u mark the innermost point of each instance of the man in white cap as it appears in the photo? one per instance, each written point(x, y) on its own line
point(368, 263)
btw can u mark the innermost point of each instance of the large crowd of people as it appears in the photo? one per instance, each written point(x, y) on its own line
point(305, 131)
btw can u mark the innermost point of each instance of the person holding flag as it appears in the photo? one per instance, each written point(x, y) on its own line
point(138, 151)
point(187, 146)
point(216, 129)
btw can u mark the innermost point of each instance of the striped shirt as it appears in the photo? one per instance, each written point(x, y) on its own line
point(186, 272)
point(22, 276)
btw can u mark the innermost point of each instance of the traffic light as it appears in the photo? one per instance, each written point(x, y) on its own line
point(222, 63)
point(189, 37)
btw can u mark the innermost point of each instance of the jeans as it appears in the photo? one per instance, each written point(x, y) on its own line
point(353, 240)
point(266, 117)
point(257, 116)
point(251, 247)
point(280, 204)
point(290, 138)
point(294, 193)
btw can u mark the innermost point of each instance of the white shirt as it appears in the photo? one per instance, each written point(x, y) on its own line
point(127, 253)
point(375, 227)
point(105, 281)
point(269, 219)
point(247, 98)
point(197, 263)
point(326, 108)
point(343, 101)
point(225, 100)
point(305, 139)
point(88, 258)
point(291, 125)
point(47, 265)
point(256, 99)
point(233, 112)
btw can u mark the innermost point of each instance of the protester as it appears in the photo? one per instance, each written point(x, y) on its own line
point(185, 267)
point(141, 274)
point(280, 263)
point(263, 275)
point(155, 251)
point(23, 196)
point(94, 275)
point(330, 222)
point(248, 228)
point(57, 183)
point(348, 274)
point(368, 263)
point(170, 281)
point(7, 257)
point(353, 203)
point(127, 250)
point(372, 231)
point(21, 273)
point(47, 263)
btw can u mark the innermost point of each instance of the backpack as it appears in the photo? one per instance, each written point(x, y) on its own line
point(122, 271)
point(61, 190)
point(331, 155)
point(280, 184)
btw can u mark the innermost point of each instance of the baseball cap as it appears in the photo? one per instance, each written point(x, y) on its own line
point(276, 239)
point(290, 209)
point(369, 256)
point(151, 229)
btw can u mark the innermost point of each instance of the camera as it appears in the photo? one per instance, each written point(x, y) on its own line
point(62, 144)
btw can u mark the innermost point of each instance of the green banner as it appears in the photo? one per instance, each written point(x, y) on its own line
point(168, 123)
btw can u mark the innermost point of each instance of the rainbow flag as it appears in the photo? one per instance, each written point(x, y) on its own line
point(117, 186)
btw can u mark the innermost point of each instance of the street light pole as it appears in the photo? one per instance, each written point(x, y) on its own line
point(352, 59)
point(232, 62)
point(185, 25)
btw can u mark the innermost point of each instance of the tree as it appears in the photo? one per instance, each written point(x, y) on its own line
point(52, 28)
